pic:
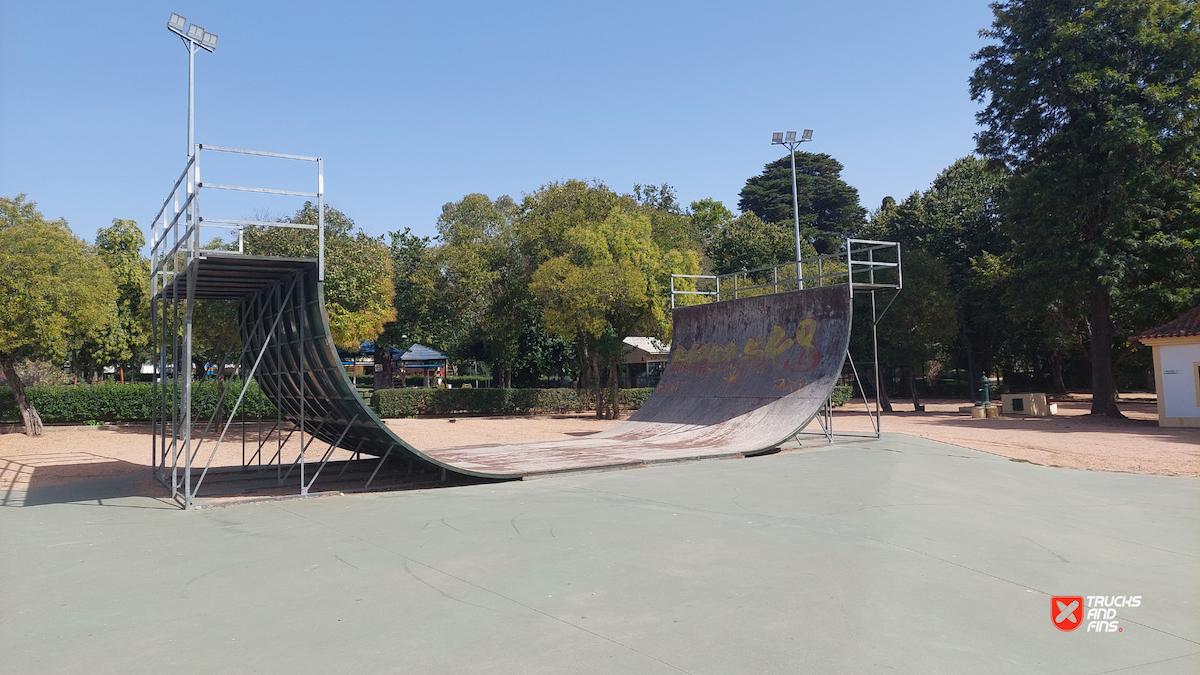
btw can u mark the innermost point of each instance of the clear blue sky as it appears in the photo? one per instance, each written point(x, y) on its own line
point(413, 105)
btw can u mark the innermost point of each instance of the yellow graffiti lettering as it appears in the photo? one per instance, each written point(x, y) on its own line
point(682, 355)
point(805, 331)
point(778, 342)
point(728, 353)
point(784, 384)
point(731, 377)
point(752, 348)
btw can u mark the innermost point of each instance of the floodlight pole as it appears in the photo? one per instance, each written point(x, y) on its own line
point(796, 212)
point(191, 142)
point(791, 143)
point(193, 38)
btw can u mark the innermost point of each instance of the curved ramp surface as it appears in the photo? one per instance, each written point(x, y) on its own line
point(744, 376)
point(284, 319)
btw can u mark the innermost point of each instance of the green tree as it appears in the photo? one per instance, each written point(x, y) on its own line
point(670, 227)
point(419, 300)
point(747, 242)
point(708, 217)
point(606, 282)
point(54, 293)
point(216, 336)
point(486, 273)
point(958, 222)
point(829, 208)
point(358, 270)
point(919, 325)
point(548, 214)
point(1093, 106)
point(125, 342)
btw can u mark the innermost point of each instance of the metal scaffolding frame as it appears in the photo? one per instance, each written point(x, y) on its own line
point(862, 265)
point(273, 295)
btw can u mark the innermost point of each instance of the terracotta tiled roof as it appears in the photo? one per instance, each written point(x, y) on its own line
point(1187, 325)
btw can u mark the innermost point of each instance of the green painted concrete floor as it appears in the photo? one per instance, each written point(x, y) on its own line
point(897, 556)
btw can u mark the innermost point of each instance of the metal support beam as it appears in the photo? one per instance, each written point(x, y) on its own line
point(328, 453)
point(379, 466)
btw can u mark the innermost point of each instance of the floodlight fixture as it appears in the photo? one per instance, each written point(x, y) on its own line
point(790, 141)
point(209, 41)
point(194, 38)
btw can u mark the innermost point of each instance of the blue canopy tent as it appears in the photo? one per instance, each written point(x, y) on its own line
point(425, 359)
point(368, 349)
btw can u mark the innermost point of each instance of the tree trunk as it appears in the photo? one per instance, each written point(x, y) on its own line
point(29, 415)
point(584, 382)
point(1104, 385)
point(966, 341)
point(615, 378)
point(380, 372)
point(595, 358)
point(912, 390)
point(220, 411)
point(885, 403)
point(1056, 377)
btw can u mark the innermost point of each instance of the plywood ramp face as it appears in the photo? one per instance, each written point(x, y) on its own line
point(744, 376)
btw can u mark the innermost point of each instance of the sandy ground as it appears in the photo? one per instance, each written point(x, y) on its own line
point(1071, 440)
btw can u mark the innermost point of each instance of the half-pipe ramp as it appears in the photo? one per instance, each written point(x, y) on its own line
point(744, 376)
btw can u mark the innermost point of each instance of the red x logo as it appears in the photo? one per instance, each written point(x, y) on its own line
point(1066, 611)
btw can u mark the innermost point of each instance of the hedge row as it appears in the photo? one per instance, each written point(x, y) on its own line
point(841, 394)
point(123, 402)
point(133, 402)
point(410, 402)
point(368, 379)
point(631, 399)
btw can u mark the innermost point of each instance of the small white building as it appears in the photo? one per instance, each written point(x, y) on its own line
point(645, 359)
point(1176, 348)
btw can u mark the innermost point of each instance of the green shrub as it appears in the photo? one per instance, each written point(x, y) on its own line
point(631, 399)
point(412, 401)
point(841, 395)
point(390, 403)
point(124, 402)
point(457, 380)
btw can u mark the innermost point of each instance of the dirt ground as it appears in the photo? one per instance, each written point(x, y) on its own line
point(1071, 439)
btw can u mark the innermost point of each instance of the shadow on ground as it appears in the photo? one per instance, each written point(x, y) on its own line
point(67, 477)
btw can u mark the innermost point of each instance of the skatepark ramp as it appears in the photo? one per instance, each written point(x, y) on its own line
point(745, 373)
point(744, 376)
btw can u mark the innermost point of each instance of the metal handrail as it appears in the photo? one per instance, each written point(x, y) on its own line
point(855, 267)
point(260, 153)
point(186, 168)
point(164, 233)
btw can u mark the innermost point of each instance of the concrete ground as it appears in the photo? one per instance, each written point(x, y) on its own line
point(902, 556)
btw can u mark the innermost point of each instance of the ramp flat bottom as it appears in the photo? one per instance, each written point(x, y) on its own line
point(526, 460)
